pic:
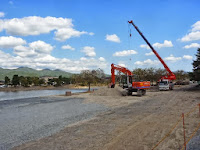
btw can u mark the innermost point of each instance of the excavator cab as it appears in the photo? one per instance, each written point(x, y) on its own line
point(129, 81)
point(126, 81)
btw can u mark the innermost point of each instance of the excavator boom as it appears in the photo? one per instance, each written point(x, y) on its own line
point(170, 74)
point(121, 69)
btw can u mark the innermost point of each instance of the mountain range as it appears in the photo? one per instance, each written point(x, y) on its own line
point(25, 71)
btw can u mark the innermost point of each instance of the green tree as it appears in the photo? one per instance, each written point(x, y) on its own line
point(15, 80)
point(160, 73)
point(88, 77)
point(29, 80)
point(196, 66)
point(35, 81)
point(66, 80)
point(150, 75)
point(58, 81)
point(7, 80)
point(41, 81)
point(23, 81)
point(139, 74)
point(181, 75)
point(191, 75)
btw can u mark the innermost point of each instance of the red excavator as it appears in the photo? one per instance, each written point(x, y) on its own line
point(165, 83)
point(139, 87)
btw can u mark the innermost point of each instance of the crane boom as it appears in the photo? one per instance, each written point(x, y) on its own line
point(170, 74)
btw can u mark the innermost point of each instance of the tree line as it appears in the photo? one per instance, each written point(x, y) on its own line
point(153, 75)
point(23, 81)
point(86, 77)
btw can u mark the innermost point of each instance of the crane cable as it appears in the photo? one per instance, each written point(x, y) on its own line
point(129, 38)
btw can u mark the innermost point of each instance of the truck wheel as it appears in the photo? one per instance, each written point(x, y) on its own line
point(124, 93)
point(143, 92)
point(129, 92)
point(113, 85)
point(139, 92)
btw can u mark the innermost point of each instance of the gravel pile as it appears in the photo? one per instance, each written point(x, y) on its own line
point(105, 91)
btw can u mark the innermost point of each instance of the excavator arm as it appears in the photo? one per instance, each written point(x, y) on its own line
point(170, 75)
point(121, 69)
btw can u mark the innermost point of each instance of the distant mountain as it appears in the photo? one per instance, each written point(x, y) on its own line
point(25, 71)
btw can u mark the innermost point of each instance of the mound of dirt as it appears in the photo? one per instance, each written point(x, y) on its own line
point(105, 91)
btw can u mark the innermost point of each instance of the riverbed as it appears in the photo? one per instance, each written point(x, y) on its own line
point(27, 119)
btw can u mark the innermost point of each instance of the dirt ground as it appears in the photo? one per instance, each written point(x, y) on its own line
point(133, 123)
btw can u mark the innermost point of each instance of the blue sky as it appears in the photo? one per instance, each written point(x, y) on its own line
point(74, 35)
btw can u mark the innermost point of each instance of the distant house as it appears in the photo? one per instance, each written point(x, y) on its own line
point(2, 82)
point(46, 79)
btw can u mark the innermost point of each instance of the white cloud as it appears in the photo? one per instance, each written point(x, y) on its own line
point(196, 26)
point(41, 47)
point(10, 41)
point(125, 53)
point(24, 51)
point(192, 36)
point(91, 33)
point(4, 55)
point(192, 45)
point(37, 48)
point(101, 59)
point(147, 62)
point(2, 14)
point(187, 57)
point(159, 45)
point(64, 34)
point(68, 47)
point(165, 44)
point(144, 46)
point(83, 58)
point(149, 54)
point(194, 33)
point(89, 51)
point(48, 61)
point(113, 38)
point(34, 25)
point(172, 58)
point(122, 65)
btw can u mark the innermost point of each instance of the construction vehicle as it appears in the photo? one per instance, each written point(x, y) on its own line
point(165, 83)
point(139, 87)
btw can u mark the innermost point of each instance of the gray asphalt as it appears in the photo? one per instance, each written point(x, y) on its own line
point(28, 119)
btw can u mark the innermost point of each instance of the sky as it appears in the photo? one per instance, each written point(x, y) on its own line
point(75, 35)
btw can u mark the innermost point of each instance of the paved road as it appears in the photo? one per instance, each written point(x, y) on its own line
point(23, 120)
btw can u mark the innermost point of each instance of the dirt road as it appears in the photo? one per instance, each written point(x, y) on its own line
point(135, 123)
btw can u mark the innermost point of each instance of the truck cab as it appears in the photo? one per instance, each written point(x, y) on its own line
point(165, 85)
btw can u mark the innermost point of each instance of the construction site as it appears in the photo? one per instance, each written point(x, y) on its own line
point(100, 75)
point(135, 116)
point(153, 121)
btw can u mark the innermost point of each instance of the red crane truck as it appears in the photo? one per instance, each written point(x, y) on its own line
point(165, 83)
